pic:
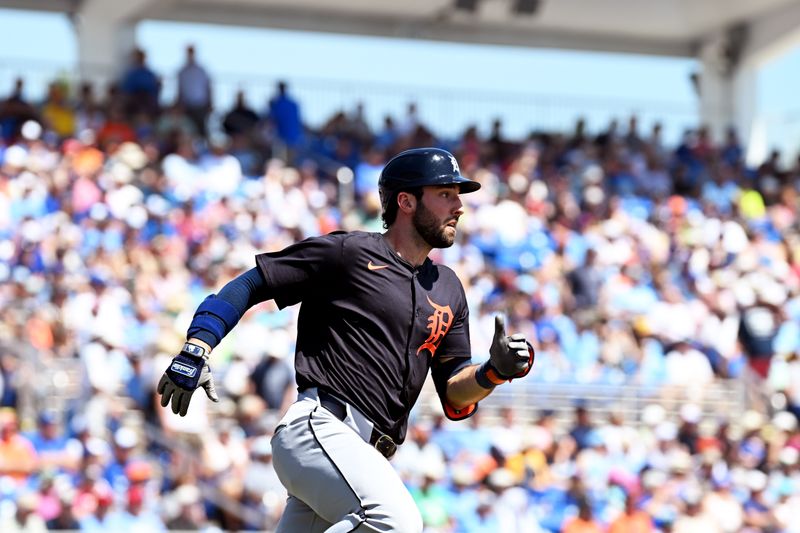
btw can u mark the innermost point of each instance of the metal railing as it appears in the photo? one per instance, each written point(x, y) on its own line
point(627, 400)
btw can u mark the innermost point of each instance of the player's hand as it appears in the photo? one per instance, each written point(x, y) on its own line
point(510, 355)
point(186, 373)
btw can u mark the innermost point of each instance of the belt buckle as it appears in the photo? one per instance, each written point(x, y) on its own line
point(386, 446)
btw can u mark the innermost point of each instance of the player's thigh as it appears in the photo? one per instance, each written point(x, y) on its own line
point(297, 516)
point(329, 467)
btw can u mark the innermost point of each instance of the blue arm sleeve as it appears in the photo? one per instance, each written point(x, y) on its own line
point(245, 291)
point(218, 314)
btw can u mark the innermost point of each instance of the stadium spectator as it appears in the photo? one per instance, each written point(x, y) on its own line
point(190, 515)
point(89, 113)
point(632, 519)
point(260, 481)
point(584, 522)
point(15, 110)
point(25, 519)
point(760, 322)
point(116, 130)
point(272, 378)
point(284, 113)
point(221, 172)
point(138, 385)
point(104, 235)
point(483, 519)
point(9, 379)
point(586, 282)
point(498, 148)
point(366, 175)
point(388, 135)
point(97, 521)
point(358, 127)
point(225, 453)
point(722, 191)
point(123, 448)
point(57, 113)
point(65, 520)
point(688, 368)
point(140, 87)
point(135, 516)
point(582, 431)
point(723, 506)
point(195, 91)
point(431, 497)
point(694, 517)
point(53, 449)
point(18, 458)
point(410, 122)
point(241, 120)
point(175, 123)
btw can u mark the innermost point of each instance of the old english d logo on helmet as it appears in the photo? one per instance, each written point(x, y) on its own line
point(419, 167)
point(439, 323)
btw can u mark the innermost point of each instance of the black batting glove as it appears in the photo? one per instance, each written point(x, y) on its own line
point(510, 356)
point(187, 372)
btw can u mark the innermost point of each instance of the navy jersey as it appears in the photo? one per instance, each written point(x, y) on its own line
point(370, 325)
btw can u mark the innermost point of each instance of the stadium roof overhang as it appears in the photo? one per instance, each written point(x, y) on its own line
point(657, 27)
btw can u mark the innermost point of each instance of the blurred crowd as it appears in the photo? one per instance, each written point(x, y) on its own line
point(625, 260)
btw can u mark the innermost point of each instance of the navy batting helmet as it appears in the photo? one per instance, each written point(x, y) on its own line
point(419, 167)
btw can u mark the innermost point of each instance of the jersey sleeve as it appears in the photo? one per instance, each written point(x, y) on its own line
point(441, 371)
point(453, 355)
point(295, 271)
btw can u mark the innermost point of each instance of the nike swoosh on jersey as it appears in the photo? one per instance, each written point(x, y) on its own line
point(373, 266)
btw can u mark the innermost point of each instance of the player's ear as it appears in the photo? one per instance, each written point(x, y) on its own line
point(406, 201)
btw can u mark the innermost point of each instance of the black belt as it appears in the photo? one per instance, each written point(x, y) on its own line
point(381, 441)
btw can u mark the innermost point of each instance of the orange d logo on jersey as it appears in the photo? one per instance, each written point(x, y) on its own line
point(439, 323)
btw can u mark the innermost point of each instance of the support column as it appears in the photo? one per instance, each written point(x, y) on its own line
point(106, 35)
point(727, 87)
point(771, 36)
point(731, 61)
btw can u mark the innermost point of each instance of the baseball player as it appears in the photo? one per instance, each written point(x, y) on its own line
point(376, 314)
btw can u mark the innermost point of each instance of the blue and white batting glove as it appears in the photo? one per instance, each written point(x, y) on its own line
point(187, 372)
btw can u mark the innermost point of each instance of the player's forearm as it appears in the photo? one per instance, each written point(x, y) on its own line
point(463, 390)
point(218, 314)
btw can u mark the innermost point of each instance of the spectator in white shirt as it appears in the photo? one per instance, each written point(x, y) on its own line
point(688, 367)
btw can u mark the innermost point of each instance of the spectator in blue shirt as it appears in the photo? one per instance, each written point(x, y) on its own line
point(46, 437)
point(285, 115)
point(582, 429)
point(721, 191)
point(483, 519)
point(140, 86)
point(125, 440)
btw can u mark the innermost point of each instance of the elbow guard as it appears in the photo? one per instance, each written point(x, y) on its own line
point(215, 316)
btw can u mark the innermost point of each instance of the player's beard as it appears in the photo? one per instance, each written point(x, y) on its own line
point(431, 229)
